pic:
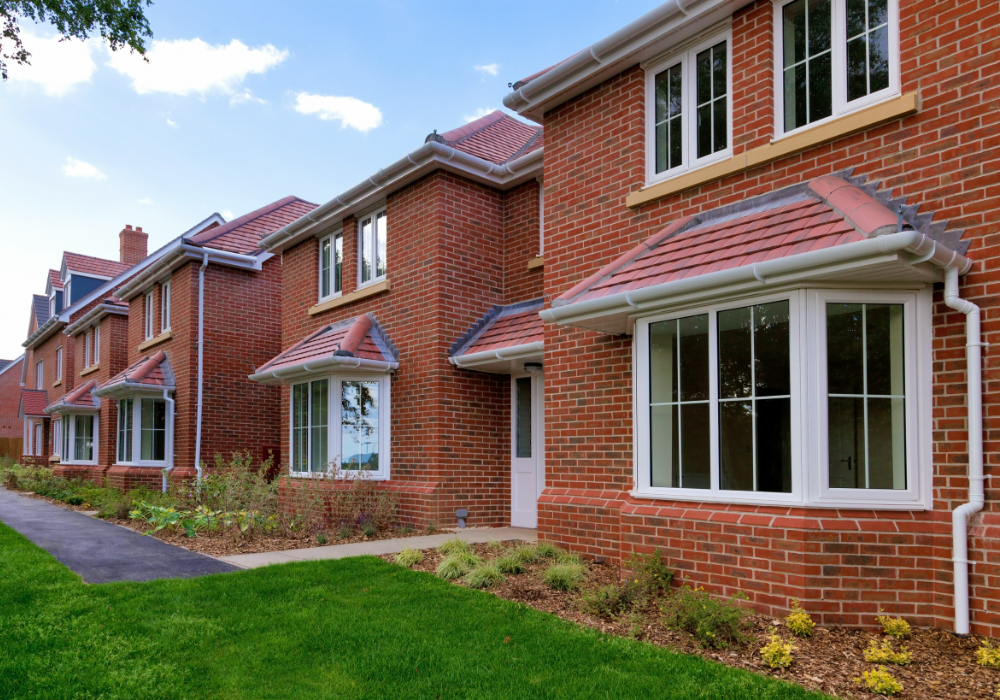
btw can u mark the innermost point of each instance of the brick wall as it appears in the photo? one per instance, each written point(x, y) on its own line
point(842, 564)
point(10, 401)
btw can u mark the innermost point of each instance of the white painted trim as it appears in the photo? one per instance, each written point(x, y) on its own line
point(168, 438)
point(332, 240)
point(373, 215)
point(165, 305)
point(147, 316)
point(70, 436)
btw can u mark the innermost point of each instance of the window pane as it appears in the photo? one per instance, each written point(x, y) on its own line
point(857, 69)
point(694, 357)
point(704, 130)
point(523, 418)
point(675, 91)
point(664, 446)
point(774, 445)
point(846, 418)
point(878, 13)
point(734, 353)
point(676, 143)
point(359, 406)
point(856, 23)
point(84, 439)
point(844, 358)
point(695, 446)
point(338, 258)
point(661, 147)
point(663, 362)
point(772, 364)
point(153, 428)
point(661, 96)
point(324, 275)
point(720, 129)
point(884, 346)
point(300, 427)
point(319, 435)
point(878, 60)
point(381, 232)
point(703, 73)
point(820, 88)
point(366, 250)
point(794, 32)
point(819, 26)
point(886, 444)
point(736, 445)
point(719, 86)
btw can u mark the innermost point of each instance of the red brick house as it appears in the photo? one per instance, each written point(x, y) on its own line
point(404, 332)
point(767, 228)
point(11, 424)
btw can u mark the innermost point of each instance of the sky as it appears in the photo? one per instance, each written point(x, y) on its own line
point(242, 103)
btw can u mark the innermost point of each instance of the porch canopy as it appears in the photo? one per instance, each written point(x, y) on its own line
point(81, 400)
point(147, 374)
point(33, 403)
point(355, 344)
point(832, 230)
point(503, 340)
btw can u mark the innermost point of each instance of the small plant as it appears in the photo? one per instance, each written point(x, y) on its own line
point(715, 623)
point(799, 622)
point(486, 575)
point(569, 558)
point(564, 577)
point(510, 563)
point(344, 531)
point(494, 545)
point(894, 627)
point(988, 655)
point(368, 529)
point(453, 546)
point(321, 538)
point(526, 554)
point(406, 529)
point(880, 681)
point(409, 557)
point(885, 654)
point(649, 572)
point(778, 653)
point(614, 600)
point(546, 550)
point(453, 566)
point(74, 500)
point(431, 529)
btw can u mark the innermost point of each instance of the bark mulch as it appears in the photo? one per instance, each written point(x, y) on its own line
point(944, 666)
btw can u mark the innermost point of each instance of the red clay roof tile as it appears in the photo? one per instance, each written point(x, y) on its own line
point(154, 372)
point(496, 137)
point(504, 327)
point(55, 280)
point(88, 265)
point(361, 337)
point(33, 402)
point(242, 235)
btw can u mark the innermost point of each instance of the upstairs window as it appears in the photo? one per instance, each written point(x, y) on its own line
point(835, 56)
point(86, 349)
point(165, 306)
point(97, 344)
point(148, 316)
point(39, 374)
point(59, 363)
point(689, 108)
point(372, 230)
point(331, 266)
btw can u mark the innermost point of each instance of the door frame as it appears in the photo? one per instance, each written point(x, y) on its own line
point(537, 436)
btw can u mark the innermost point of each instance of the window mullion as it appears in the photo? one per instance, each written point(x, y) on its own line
point(680, 413)
point(753, 387)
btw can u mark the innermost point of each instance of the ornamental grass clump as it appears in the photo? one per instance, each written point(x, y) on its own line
point(525, 553)
point(485, 575)
point(988, 655)
point(799, 622)
point(894, 627)
point(778, 653)
point(510, 563)
point(409, 557)
point(454, 546)
point(564, 577)
point(880, 681)
point(884, 654)
point(453, 567)
point(546, 550)
point(713, 622)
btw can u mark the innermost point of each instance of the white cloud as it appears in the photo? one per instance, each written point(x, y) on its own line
point(187, 66)
point(77, 168)
point(350, 111)
point(227, 215)
point(488, 69)
point(55, 65)
point(172, 124)
point(245, 97)
point(145, 200)
point(479, 114)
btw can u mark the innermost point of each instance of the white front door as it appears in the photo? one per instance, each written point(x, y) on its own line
point(527, 432)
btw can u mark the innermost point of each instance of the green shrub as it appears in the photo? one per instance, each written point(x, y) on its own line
point(321, 538)
point(799, 621)
point(453, 567)
point(715, 623)
point(485, 575)
point(564, 577)
point(368, 529)
point(650, 572)
point(344, 531)
point(614, 600)
point(454, 545)
point(880, 681)
point(409, 557)
point(546, 550)
point(778, 653)
point(885, 654)
point(988, 655)
point(894, 627)
point(510, 563)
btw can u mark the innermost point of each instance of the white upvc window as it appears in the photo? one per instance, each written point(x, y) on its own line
point(39, 374)
point(59, 363)
point(145, 431)
point(97, 344)
point(148, 316)
point(833, 57)
point(165, 289)
point(331, 266)
point(372, 234)
point(86, 349)
point(541, 217)
point(78, 432)
point(340, 421)
point(813, 397)
point(57, 448)
point(689, 108)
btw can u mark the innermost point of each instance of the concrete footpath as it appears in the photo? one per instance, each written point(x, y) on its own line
point(98, 551)
point(357, 549)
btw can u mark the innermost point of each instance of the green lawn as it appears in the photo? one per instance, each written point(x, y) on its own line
point(356, 628)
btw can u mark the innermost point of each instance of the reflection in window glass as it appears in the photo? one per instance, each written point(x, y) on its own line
point(300, 428)
point(338, 263)
point(153, 430)
point(865, 382)
point(324, 267)
point(668, 119)
point(83, 439)
point(318, 423)
point(125, 430)
point(380, 242)
point(359, 426)
point(806, 62)
point(867, 47)
point(710, 67)
point(523, 433)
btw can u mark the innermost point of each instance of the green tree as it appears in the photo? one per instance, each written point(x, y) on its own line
point(120, 23)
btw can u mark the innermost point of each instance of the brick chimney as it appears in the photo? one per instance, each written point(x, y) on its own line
point(132, 248)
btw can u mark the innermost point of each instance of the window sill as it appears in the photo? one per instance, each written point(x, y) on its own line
point(536, 263)
point(325, 476)
point(90, 370)
point(153, 342)
point(54, 459)
point(846, 125)
point(364, 292)
point(56, 383)
point(721, 500)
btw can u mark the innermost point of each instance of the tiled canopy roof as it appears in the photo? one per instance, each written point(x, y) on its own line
point(153, 372)
point(503, 327)
point(81, 397)
point(829, 211)
point(88, 265)
point(55, 280)
point(33, 402)
point(496, 137)
point(242, 235)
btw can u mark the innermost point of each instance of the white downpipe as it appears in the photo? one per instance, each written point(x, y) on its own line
point(201, 361)
point(170, 437)
point(974, 390)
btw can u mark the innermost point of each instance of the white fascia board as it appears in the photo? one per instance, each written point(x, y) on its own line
point(427, 158)
point(328, 365)
point(179, 253)
point(514, 352)
point(93, 317)
point(672, 22)
point(617, 310)
point(133, 388)
point(48, 328)
point(13, 363)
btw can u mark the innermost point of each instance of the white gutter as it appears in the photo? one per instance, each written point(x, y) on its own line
point(178, 252)
point(92, 317)
point(201, 362)
point(974, 389)
point(48, 328)
point(170, 438)
point(125, 388)
point(334, 361)
point(513, 352)
point(430, 156)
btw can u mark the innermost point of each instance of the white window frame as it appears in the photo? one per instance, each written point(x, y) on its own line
point(373, 215)
point(97, 345)
point(332, 241)
point(57, 437)
point(59, 362)
point(334, 428)
point(40, 374)
point(541, 218)
point(686, 55)
point(809, 451)
point(838, 62)
point(86, 349)
point(168, 443)
point(165, 290)
point(148, 316)
point(69, 438)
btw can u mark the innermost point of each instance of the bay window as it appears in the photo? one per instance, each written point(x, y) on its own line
point(144, 431)
point(808, 398)
point(74, 438)
point(125, 407)
point(331, 261)
point(372, 233)
point(343, 421)
point(57, 448)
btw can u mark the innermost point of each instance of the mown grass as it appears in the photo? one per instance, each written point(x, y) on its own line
point(353, 628)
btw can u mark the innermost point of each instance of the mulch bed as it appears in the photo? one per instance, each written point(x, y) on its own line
point(944, 666)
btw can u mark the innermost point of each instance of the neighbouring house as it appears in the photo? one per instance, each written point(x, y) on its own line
point(409, 320)
point(200, 318)
point(767, 225)
point(11, 424)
